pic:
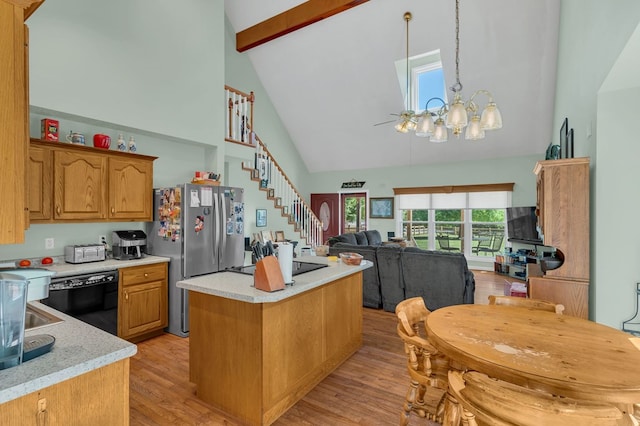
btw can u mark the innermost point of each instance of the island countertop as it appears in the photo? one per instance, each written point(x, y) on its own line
point(233, 285)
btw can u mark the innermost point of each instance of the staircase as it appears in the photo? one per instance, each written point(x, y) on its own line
point(266, 171)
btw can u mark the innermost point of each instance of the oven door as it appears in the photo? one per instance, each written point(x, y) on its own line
point(91, 298)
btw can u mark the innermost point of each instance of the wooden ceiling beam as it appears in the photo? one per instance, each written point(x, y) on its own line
point(291, 20)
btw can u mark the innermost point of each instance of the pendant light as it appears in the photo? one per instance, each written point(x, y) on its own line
point(456, 115)
point(407, 120)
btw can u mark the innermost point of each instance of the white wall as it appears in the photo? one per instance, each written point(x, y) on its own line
point(151, 69)
point(617, 250)
point(154, 65)
point(592, 36)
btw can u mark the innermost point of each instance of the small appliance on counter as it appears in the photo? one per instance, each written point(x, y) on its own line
point(84, 253)
point(129, 244)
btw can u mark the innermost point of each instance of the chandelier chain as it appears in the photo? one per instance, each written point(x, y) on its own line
point(458, 86)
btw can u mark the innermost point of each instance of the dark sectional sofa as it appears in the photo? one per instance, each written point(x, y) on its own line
point(399, 273)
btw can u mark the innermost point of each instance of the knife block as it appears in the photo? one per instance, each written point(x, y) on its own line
point(268, 275)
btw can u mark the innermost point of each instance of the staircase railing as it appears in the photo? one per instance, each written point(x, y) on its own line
point(239, 116)
point(266, 171)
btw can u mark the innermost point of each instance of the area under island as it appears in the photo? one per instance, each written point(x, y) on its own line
point(254, 354)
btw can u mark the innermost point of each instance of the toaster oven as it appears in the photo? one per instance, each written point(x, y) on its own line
point(84, 253)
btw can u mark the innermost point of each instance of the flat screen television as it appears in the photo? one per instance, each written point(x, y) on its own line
point(522, 225)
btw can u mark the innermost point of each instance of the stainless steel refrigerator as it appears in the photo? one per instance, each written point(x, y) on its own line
point(201, 228)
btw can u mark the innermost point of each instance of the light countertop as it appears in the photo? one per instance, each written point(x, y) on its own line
point(62, 269)
point(78, 349)
point(232, 285)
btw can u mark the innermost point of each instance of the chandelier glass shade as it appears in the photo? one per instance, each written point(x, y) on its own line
point(459, 116)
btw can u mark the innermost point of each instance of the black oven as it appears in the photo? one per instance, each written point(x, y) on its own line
point(91, 298)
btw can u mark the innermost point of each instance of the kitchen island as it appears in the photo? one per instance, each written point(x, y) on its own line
point(254, 354)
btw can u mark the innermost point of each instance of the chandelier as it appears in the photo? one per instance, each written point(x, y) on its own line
point(458, 115)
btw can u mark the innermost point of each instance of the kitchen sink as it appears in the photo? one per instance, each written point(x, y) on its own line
point(35, 318)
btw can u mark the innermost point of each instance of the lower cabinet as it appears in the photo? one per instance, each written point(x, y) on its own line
point(98, 397)
point(142, 301)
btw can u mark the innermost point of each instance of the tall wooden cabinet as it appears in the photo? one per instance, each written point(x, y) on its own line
point(563, 218)
point(13, 107)
point(74, 183)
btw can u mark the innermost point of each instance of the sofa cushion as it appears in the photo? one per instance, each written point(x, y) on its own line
point(343, 238)
point(361, 238)
point(371, 297)
point(442, 279)
point(374, 237)
point(390, 273)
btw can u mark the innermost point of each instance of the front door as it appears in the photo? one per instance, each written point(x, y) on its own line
point(327, 208)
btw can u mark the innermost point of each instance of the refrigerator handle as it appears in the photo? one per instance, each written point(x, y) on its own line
point(216, 229)
point(223, 208)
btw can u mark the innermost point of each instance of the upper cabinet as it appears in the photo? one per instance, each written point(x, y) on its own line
point(14, 110)
point(88, 184)
point(130, 188)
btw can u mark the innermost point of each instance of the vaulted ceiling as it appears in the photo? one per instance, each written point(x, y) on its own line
point(332, 80)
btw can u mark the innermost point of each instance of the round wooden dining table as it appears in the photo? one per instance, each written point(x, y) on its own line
point(559, 354)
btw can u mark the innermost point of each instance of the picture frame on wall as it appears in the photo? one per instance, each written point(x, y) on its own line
point(381, 208)
point(261, 217)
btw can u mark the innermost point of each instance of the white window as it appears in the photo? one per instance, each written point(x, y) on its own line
point(472, 223)
point(426, 80)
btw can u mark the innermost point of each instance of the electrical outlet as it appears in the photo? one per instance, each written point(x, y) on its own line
point(102, 239)
point(49, 243)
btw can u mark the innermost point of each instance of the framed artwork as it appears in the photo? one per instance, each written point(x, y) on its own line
point(564, 139)
point(279, 236)
point(266, 236)
point(381, 208)
point(261, 217)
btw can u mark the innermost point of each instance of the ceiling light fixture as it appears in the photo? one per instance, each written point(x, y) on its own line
point(408, 119)
point(456, 115)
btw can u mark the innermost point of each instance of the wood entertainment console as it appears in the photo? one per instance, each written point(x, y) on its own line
point(563, 217)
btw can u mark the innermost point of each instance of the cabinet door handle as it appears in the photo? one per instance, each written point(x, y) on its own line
point(146, 274)
point(42, 417)
point(113, 210)
point(58, 209)
point(126, 296)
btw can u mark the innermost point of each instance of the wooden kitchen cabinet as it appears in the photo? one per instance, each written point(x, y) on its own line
point(98, 397)
point(14, 138)
point(130, 188)
point(79, 185)
point(143, 309)
point(563, 217)
point(74, 183)
point(39, 184)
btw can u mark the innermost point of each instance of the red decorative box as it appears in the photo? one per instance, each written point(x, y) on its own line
point(49, 129)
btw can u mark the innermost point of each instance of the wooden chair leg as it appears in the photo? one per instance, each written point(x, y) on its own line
point(410, 399)
point(451, 416)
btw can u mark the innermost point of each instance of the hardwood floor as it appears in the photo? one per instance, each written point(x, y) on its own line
point(368, 389)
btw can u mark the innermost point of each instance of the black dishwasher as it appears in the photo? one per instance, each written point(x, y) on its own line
point(91, 298)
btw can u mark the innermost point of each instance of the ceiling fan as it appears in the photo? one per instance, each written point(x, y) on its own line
point(407, 119)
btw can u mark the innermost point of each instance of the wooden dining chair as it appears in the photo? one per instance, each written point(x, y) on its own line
point(523, 302)
point(486, 401)
point(427, 367)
